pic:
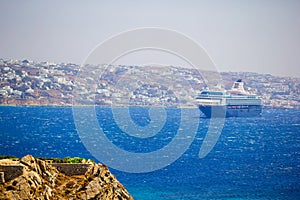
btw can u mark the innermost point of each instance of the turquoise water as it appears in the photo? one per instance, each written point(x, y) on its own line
point(254, 158)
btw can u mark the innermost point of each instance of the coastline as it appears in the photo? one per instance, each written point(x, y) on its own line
point(98, 106)
point(133, 106)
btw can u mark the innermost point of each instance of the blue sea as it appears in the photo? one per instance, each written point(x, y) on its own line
point(254, 158)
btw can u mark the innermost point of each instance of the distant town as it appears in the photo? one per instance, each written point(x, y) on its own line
point(29, 83)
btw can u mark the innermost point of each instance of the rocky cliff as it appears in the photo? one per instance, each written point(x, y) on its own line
point(41, 180)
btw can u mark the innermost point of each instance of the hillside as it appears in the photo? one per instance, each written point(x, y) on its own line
point(30, 83)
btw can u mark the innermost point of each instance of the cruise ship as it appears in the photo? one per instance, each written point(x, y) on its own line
point(232, 103)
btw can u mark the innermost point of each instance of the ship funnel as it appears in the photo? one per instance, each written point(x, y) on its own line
point(238, 86)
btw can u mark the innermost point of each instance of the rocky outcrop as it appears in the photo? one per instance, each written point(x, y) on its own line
point(41, 180)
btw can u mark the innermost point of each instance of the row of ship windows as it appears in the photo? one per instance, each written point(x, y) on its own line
point(238, 107)
point(241, 107)
point(226, 97)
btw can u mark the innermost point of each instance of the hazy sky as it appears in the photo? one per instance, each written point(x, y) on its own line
point(258, 36)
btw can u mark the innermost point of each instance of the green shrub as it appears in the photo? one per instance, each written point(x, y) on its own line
point(73, 160)
point(54, 160)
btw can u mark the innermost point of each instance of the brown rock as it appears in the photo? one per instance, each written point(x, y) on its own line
point(2, 180)
point(40, 180)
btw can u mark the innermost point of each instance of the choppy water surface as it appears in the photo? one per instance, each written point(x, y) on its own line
point(254, 158)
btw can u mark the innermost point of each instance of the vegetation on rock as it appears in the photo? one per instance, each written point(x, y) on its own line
point(68, 159)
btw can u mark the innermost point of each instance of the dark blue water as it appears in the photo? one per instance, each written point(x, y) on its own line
point(254, 158)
